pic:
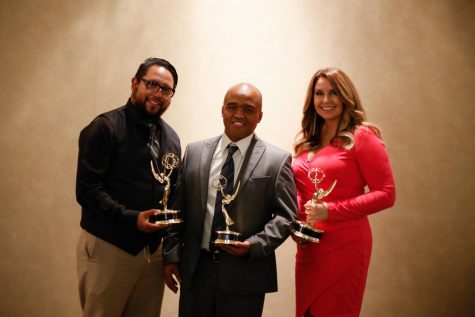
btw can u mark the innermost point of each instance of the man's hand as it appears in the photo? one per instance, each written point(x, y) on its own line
point(172, 277)
point(240, 248)
point(145, 226)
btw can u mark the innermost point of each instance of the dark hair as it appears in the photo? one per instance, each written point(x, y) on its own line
point(143, 68)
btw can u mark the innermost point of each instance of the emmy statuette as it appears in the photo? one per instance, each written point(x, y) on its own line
point(170, 161)
point(225, 237)
point(306, 230)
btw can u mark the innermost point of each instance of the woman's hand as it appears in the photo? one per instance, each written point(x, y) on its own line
point(315, 212)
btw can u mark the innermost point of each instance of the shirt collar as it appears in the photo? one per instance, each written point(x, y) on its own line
point(242, 144)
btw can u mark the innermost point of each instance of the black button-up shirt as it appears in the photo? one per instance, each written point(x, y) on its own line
point(114, 179)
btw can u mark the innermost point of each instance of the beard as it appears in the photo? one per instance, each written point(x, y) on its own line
point(142, 110)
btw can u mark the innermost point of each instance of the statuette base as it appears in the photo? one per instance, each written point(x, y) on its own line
point(227, 237)
point(165, 217)
point(306, 231)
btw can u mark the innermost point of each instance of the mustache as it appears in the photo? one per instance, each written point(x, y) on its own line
point(142, 109)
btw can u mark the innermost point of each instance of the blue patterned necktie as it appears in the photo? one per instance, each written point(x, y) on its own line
point(228, 172)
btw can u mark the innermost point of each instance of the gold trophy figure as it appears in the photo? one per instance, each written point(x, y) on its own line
point(227, 236)
point(170, 161)
point(305, 230)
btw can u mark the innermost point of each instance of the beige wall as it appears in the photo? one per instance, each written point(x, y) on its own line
point(63, 62)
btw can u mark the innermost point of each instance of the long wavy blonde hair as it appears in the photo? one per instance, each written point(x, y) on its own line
point(353, 114)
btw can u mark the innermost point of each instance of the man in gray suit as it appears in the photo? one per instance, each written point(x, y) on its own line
point(230, 280)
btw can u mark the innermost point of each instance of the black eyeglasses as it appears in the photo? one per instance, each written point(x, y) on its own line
point(155, 86)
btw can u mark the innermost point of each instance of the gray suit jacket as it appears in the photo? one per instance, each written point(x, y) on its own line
point(262, 211)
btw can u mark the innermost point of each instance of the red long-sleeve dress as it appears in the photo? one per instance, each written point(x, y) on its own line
point(330, 276)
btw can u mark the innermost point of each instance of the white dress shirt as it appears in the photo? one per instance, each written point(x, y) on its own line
point(217, 162)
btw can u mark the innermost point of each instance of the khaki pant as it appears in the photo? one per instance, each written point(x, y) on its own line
point(113, 283)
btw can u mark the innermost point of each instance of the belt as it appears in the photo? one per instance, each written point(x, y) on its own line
point(212, 255)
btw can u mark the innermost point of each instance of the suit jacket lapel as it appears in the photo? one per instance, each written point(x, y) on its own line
point(253, 156)
point(205, 166)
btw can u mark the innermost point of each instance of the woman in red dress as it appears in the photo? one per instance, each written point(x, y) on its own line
point(330, 276)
